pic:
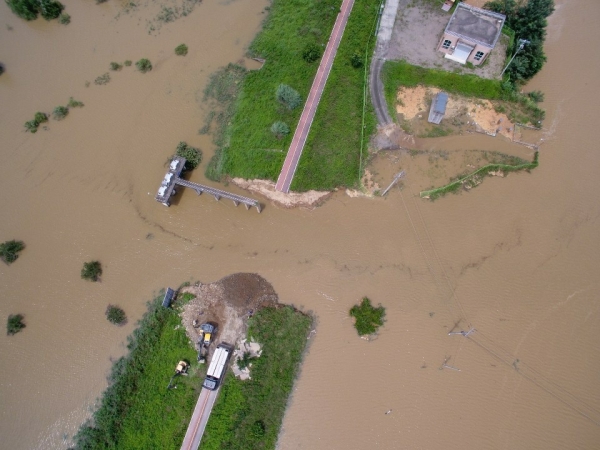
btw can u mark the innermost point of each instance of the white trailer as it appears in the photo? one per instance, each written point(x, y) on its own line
point(218, 367)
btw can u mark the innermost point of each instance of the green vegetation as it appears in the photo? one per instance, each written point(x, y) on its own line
point(29, 9)
point(102, 79)
point(332, 155)
point(64, 19)
point(116, 315)
point(60, 112)
point(248, 414)
point(115, 66)
point(367, 318)
point(14, 324)
point(397, 74)
point(74, 103)
point(192, 155)
point(9, 250)
point(472, 179)
point(280, 129)
point(91, 271)
point(288, 97)
point(32, 125)
point(312, 52)
point(2, 69)
point(356, 60)
point(137, 411)
point(181, 50)
point(186, 297)
point(528, 20)
point(144, 65)
point(127, 63)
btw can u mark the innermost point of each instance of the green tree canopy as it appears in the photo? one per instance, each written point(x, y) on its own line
point(9, 250)
point(368, 318)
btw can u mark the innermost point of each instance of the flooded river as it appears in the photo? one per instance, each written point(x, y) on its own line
point(516, 258)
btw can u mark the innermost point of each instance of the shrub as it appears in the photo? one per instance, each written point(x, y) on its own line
point(25, 9)
point(536, 96)
point(115, 66)
point(356, 60)
point(50, 9)
point(40, 117)
point(102, 79)
point(9, 250)
point(64, 19)
point(31, 126)
point(127, 63)
point(14, 324)
point(367, 318)
point(116, 315)
point(192, 155)
point(181, 50)
point(74, 103)
point(144, 65)
point(288, 96)
point(1, 68)
point(91, 271)
point(311, 52)
point(60, 112)
point(280, 129)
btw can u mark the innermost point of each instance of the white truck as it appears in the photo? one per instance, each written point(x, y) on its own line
point(218, 367)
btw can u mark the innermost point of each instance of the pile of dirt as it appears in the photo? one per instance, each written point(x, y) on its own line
point(310, 199)
point(228, 303)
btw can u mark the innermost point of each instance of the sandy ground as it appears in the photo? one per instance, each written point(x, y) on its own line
point(310, 199)
point(228, 303)
point(418, 29)
point(463, 113)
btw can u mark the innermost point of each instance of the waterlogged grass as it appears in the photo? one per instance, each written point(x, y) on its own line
point(331, 157)
point(248, 414)
point(470, 180)
point(137, 411)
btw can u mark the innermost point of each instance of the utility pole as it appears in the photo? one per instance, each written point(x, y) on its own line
point(522, 43)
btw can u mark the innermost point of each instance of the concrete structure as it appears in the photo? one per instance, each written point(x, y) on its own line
point(471, 34)
point(438, 108)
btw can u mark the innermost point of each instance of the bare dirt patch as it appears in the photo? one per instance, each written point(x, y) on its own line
point(228, 303)
point(310, 199)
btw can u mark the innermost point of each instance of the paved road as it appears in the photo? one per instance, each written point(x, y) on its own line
point(310, 107)
point(195, 430)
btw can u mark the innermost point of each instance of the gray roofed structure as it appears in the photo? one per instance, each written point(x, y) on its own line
point(438, 108)
point(476, 24)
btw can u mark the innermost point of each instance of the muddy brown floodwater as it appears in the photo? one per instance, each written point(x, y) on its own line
point(516, 258)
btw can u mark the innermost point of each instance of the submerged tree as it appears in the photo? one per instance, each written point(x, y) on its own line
point(9, 250)
point(14, 324)
point(192, 155)
point(367, 317)
point(91, 271)
point(116, 315)
point(144, 65)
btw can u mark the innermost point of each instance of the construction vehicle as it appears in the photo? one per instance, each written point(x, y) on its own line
point(181, 369)
point(218, 367)
point(207, 335)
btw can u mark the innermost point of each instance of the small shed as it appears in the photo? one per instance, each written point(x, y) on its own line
point(169, 296)
point(438, 108)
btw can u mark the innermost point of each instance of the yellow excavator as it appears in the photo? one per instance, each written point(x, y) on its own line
point(181, 369)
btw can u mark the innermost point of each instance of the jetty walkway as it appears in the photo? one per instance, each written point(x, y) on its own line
point(173, 178)
point(310, 107)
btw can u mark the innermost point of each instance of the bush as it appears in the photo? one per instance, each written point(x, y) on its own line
point(14, 324)
point(74, 103)
point(288, 96)
point(116, 315)
point(311, 52)
point(31, 126)
point(91, 271)
point(40, 117)
point(127, 63)
point(192, 155)
point(9, 250)
point(367, 318)
point(144, 65)
point(115, 66)
point(280, 129)
point(64, 19)
point(60, 112)
point(181, 50)
point(102, 79)
point(25, 9)
point(1, 68)
point(356, 60)
point(50, 9)
point(536, 96)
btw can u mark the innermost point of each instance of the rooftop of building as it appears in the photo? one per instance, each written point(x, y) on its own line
point(475, 24)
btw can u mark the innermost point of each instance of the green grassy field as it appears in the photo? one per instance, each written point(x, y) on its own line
point(248, 414)
point(332, 155)
point(137, 411)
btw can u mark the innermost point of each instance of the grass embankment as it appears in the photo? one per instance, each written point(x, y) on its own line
point(331, 157)
point(518, 107)
point(136, 410)
point(475, 178)
point(248, 414)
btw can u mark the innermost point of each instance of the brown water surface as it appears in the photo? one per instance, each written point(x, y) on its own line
point(516, 258)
